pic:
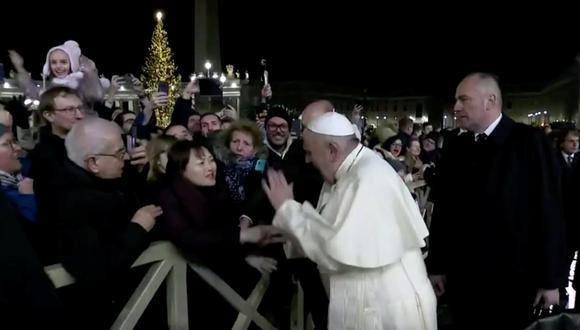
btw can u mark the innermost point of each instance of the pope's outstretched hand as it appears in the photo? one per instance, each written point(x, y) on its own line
point(277, 188)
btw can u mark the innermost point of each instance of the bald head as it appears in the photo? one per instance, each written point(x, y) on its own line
point(478, 102)
point(91, 136)
point(487, 84)
point(316, 109)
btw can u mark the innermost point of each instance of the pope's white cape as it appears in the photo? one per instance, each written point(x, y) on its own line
point(368, 219)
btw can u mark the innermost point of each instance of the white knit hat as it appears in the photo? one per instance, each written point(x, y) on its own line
point(72, 49)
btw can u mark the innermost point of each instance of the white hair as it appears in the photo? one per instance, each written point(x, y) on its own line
point(88, 137)
point(345, 143)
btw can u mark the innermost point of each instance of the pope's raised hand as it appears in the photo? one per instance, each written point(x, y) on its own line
point(277, 188)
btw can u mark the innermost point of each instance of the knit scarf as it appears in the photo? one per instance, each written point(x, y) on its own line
point(236, 173)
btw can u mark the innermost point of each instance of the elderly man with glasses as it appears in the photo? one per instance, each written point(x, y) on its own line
point(104, 228)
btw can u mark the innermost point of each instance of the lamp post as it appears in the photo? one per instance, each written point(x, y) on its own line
point(208, 67)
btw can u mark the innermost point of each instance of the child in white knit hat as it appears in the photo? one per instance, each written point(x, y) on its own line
point(64, 66)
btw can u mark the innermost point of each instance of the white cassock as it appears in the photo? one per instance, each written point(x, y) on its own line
point(366, 235)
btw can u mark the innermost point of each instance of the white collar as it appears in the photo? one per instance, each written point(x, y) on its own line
point(348, 162)
point(568, 155)
point(283, 153)
point(491, 127)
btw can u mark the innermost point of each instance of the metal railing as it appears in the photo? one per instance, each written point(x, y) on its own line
point(168, 264)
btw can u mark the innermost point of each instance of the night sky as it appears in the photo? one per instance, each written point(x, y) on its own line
point(415, 48)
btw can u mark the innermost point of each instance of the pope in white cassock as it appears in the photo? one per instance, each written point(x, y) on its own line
point(366, 232)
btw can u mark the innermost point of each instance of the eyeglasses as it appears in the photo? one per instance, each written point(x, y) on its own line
point(71, 110)
point(9, 144)
point(274, 127)
point(120, 155)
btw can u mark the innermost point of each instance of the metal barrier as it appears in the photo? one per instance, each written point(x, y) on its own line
point(168, 264)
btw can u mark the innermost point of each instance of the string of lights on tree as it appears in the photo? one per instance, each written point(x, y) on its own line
point(159, 67)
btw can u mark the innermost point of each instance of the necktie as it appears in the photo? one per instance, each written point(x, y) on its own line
point(480, 138)
point(570, 160)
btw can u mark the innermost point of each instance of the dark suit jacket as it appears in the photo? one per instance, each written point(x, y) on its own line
point(497, 221)
point(570, 177)
point(565, 170)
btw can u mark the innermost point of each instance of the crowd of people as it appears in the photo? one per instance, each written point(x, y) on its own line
point(244, 198)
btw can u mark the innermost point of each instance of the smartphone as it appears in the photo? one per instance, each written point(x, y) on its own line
point(209, 87)
point(163, 87)
point(132, 139)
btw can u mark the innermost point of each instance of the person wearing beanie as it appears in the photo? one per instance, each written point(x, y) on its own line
point(430, 154)
point(278, 140)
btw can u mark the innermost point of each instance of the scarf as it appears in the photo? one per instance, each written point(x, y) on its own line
point(236, 173)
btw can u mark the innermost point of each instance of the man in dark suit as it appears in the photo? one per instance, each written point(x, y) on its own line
point(568, 151)
point(568, 160)
point(497, 236)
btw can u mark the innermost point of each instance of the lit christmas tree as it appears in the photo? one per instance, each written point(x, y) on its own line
point(159, 67)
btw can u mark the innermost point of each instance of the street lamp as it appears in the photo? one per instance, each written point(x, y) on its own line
point(222, 78)
point(208, 67)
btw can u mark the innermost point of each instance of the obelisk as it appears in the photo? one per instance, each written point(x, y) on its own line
point(207, 40)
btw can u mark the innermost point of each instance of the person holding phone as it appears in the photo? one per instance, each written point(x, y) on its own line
point(184, 113)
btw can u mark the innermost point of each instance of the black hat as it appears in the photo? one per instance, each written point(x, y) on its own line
point(278, 112)
point(432, 136)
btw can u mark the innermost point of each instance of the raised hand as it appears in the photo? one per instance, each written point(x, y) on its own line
point(266, 92)
point(17, 60)
point(277, 188)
